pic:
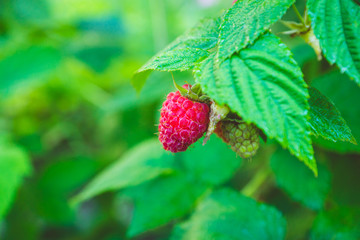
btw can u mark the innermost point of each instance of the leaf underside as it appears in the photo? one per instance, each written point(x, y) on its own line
point(264, 85)
point(336, 24)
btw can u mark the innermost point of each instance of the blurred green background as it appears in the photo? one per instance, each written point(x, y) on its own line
point(68, 111)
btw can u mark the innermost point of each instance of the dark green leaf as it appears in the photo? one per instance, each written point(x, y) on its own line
point(14, 166)
point(164, 199)
point(57, 182)
point(144, 162)
point(345, 95)
point(27, 64)
point(245, 22)
point(183, 53)
point(336, 24)
point(298, 181)
point(226, 214)
point(337, 224)
point(264, 85)
point(213, 163)
point(325, 120)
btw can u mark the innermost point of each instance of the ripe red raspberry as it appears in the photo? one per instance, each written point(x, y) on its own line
point(182, 122)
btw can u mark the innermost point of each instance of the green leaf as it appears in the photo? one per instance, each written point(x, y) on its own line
point(142, 163)
point(345, 95)
point(264, 85)
point(57, 181)
point(213, 163)
point(325, 120)
point(183, 53)
point(14, 166)
point(226, 214)
point(336, 24)
point(164, 199)
point(298, 181)
point(27, 64)
point(337, 224)
point(98, 57)
point(245, 22)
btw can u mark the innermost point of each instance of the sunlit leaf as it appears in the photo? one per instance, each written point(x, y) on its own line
point(144, 162)
point(264, 85)
point(183, 53)
point(245, 22)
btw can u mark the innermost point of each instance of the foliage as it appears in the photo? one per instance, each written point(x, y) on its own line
point(325, 120)
point(340, 224)
point(264, 85)
point(340, 43)
point(78, 155)
point(259, 220)
point(300, 184)
point(245, 22)
point(14, 164)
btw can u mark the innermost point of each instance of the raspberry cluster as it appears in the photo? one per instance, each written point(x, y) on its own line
point(242, 137)
point(182, 122)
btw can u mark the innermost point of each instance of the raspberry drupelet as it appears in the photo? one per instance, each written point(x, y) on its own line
point(242, 137)
point(182, 122)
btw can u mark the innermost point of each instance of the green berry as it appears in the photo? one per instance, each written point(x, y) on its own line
point(242, 137)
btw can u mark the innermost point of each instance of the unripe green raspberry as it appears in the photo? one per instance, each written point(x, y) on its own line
point(242, 137)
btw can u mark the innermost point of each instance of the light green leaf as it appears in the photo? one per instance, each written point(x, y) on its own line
point(336, 24)
point(27, 64)
point(226, 214)
point(325, 120)
point(183, 53)
point(298, 181)
point(164, 199)
point(264, 85)
point(142, 163)
point(213, 163)
point(337, 224)
point(14, 166)
point(345, 95)
point(245, 22)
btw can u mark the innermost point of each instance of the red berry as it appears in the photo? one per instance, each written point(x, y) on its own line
point(182, 122)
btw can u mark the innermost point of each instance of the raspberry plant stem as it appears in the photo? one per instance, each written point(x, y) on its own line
point(253, 187)
point(298, 15)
